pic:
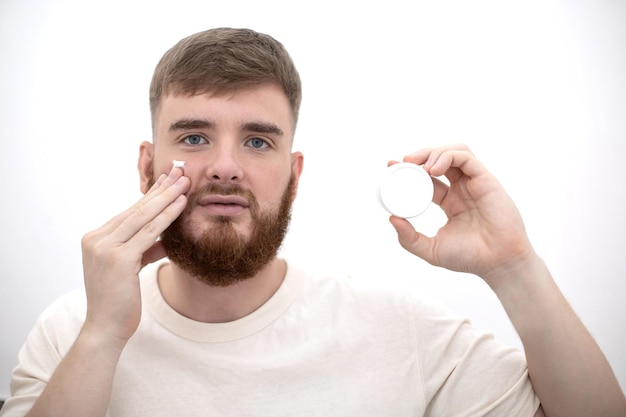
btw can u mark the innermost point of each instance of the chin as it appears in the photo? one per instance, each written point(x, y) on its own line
point(197, 229)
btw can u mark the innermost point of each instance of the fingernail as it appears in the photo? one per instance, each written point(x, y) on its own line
point(160, 180)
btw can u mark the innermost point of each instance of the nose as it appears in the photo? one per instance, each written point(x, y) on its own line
point(225, 165)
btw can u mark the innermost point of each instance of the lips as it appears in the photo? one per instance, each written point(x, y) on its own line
point(223, 199)
point(224, 205)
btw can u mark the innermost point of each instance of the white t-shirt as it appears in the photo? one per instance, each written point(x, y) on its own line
point(321, 346)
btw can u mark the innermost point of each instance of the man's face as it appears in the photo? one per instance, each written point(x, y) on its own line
point(237, 153)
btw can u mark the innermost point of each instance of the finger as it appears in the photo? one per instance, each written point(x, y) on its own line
point(453, 163)
point(158, 190)
point(440, 191)
point(147, 235)
point(464, 161)
point(441, 164)
point(162, 184)
point(165, 206)
point(110, 226)
point(413, 241)
point(142, 248)
point(422, 156)
point(158, 183)
point(429, 156)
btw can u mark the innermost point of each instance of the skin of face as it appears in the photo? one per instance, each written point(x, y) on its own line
point(242, 138)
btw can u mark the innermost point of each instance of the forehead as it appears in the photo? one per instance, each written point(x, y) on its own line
point(266, 103)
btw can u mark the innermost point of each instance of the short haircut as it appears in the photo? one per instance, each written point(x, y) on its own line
point(223, 60)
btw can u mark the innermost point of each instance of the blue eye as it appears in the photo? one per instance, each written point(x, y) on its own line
point(258, 143)
point(194, 140)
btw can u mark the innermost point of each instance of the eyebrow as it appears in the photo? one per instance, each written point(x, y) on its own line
point(257, 127)
point(191, 124)
point(262, 127)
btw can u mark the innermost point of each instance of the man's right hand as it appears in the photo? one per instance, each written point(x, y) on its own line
point(114, 254)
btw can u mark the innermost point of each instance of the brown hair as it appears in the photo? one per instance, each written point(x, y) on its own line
point(223, 60)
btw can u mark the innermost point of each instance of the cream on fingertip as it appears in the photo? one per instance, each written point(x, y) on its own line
point(178, 164)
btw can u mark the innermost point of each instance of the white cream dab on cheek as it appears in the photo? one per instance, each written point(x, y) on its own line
point(178, 164)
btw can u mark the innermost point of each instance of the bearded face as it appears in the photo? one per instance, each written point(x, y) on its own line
point(220, 255)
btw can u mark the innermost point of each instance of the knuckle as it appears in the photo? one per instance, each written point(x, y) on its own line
point(139, 209)
point(89, 240)
point(149, 228)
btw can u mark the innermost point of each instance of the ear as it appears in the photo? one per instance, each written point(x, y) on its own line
point(144, 166)
point(297, 163)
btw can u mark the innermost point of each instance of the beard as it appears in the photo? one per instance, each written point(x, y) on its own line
point(220, 256)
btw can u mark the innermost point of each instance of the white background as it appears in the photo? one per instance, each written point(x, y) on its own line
point(536, 88)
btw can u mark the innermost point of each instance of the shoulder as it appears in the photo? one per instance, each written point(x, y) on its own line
point(60, 323)
point(374, 304)
point(340, 286)
point(72, 304)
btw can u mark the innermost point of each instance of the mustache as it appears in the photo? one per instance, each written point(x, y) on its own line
point(212, 188)
point(220, 189)
point(193, 197)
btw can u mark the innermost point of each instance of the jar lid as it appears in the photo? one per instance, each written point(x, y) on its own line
point(405, 190)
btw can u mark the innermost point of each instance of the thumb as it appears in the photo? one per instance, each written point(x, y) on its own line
point(412, 240)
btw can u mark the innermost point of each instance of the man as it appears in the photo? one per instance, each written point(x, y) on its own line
point(225, 327)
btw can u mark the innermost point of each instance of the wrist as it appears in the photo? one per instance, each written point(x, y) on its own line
point(102, 342)
point(527, 292)
point(520, 270)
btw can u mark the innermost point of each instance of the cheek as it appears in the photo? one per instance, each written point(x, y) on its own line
point(271, 193)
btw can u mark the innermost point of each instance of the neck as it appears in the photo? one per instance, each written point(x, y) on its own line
point(209, 304)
